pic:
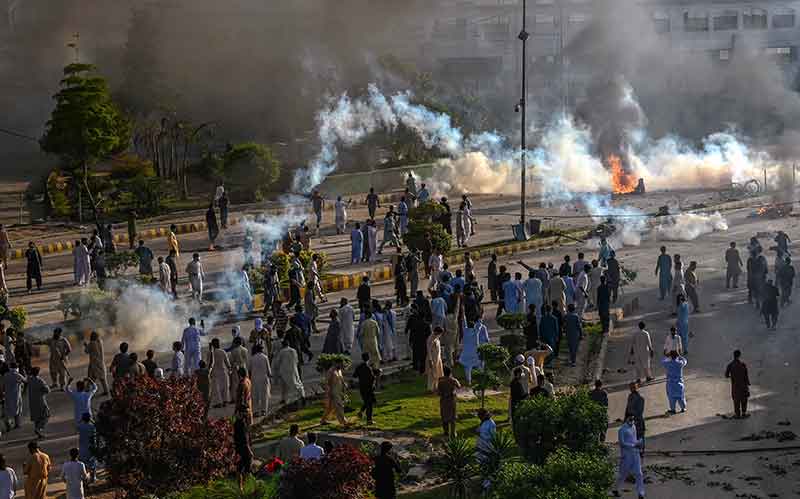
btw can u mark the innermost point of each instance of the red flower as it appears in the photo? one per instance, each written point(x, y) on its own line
point(274, 465)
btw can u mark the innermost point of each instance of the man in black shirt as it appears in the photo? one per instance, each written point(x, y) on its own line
point(367, 378)
point(418, 331)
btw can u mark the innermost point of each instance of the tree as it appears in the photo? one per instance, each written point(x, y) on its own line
point(248, 168)
point(422, 222)
point(544, 424)
point(494, 360)
point(153, 439)
point(86, 125)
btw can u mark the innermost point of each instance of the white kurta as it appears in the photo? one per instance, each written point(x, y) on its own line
point(82, 264)
point(287, 376)
point(341, 215)
point(219, 377)
point(260, 373)
point(164, 277)
point(194, 270)
point(346, 318)
point(640, 353)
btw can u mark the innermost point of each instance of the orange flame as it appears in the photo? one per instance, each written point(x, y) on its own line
point(621, 181)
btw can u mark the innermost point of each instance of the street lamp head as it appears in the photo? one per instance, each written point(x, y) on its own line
point(523, 35)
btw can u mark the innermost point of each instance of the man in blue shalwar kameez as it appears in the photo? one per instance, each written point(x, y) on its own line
point(357, 241)
point(673, 365)
point(630, 462)
point(682, 323)
point(664, 273)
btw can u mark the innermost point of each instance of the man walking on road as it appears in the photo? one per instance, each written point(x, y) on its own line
point(733, 262)
point(664, 273)
point(630, 462)
point(641, 352)
point(194, 270)
point(740, 385)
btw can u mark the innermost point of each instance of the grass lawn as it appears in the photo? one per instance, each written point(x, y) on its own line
point(404, 405)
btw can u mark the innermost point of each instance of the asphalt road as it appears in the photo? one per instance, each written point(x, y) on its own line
point(726, 323)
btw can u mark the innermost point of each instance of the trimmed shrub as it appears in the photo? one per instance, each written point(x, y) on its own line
point(421, 222)
point(514, 343)
point(573, 421)
point(344, 473)
point(565, 475)
point(326, 360)
point(153, 439)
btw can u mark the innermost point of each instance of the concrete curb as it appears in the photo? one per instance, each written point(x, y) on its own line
point(601, 356)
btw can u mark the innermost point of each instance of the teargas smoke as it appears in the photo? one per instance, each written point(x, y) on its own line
point(690, 226)
point(150, 319)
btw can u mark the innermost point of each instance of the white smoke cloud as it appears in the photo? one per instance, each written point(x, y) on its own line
point(690, 226)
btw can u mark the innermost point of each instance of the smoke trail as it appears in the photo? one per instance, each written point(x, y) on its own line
point(690, 226)
point(151, 319)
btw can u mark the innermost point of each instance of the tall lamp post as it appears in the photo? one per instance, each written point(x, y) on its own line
point(520, 108)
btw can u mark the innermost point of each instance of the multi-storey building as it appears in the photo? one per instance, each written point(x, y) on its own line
point(476, 41)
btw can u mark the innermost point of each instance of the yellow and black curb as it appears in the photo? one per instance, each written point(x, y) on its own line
point(159, 232)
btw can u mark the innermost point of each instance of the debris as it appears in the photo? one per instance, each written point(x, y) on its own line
point(666, 473)
point(785, 422)
point(720, 469)
point(777, 469)
point(781, 436)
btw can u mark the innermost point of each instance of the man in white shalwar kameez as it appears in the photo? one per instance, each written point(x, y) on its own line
point(194, 270)
point(641, 353)
point(286, 374)
point(346, 319)
point(164, 276)
point(582, 290)
point(341, 215)
point(260, 372)
point(220, 369)
point(82, 264)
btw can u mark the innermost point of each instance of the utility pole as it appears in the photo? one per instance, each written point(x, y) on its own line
point(523, 37)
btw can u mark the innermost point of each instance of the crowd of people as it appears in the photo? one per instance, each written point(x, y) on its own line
point(444, 327)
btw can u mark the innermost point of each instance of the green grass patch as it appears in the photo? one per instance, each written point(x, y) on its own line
point(404, 405)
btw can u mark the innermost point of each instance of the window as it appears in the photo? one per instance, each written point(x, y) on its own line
point(782, 55)
point(754, 18)
point(724, 55)
point(578, 18)
point(695, 21)
point(544, 19)
point(783, 18)
point(661, 22)
point(725, 20)
point(545, 2)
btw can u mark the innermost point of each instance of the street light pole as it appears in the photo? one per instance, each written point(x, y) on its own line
point(523, 37)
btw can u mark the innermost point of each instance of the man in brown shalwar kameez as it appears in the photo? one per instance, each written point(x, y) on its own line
point(740, 385)
point(37, 469)
point(447, 387)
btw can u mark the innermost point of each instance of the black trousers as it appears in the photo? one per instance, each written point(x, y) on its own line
point(368, 398)
point(419, 355)
point(31, 276)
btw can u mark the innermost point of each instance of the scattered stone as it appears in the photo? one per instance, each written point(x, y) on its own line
point(777, 469)
point(724, 485)
point(785, 422)
point(751, 478)
point(780, 436)
point(666, 473)
point(417, 472)
point(720, 469)
point(622, 370)
point(699, 465)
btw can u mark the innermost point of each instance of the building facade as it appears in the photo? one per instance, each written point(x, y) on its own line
point(476, 40)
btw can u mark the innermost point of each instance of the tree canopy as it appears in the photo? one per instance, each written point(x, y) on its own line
point(86, 125)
